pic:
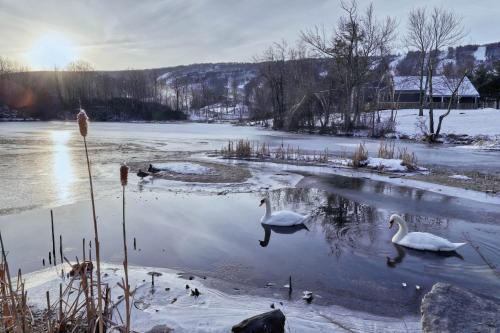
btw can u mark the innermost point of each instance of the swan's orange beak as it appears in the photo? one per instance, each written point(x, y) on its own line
point(391, 222)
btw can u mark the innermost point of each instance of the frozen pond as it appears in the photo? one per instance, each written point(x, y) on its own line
point(43, 161)
point(342, 256)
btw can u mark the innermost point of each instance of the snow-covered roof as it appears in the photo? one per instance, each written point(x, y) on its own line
point(442, 86)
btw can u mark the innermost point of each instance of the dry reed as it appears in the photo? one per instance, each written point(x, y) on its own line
point(359, 156)
point(409, 160)
point(83, 126)
point(126, 287)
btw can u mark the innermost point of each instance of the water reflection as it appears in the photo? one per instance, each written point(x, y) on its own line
point(268, 229)
point(426, 255)
point(62, 172)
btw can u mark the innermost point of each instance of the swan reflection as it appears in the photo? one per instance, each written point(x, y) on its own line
point(402, 251)
point(279, 230)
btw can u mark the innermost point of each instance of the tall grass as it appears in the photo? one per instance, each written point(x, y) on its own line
point(247, 149)
point(409, 160)
point(386, 150)
point(359, 156)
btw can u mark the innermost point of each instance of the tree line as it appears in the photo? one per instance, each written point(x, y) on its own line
point(332, 80)
point(342, 92)
point(122, 95)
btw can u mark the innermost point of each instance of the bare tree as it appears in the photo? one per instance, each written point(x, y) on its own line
point(354, 48)
point(454, 83)
point(445, 29)
point(418, 38)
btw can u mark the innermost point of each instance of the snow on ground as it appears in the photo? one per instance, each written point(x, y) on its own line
point(480, 53)
point(386, 164)
point(213, 310)
point(480, 122)
point(186, 168)
point(460, 177)
point(219, 112)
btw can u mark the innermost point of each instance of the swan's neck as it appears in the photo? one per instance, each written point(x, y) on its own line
point(402, 232)
point(268, 208)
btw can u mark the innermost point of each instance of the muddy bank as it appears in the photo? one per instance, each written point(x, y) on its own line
point(477, 181)
point(200, 172)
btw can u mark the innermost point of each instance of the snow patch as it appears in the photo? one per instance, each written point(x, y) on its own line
point(461, 177)
point(386, 164)
point(480, 53)
point(480, 122)
point(186, 168)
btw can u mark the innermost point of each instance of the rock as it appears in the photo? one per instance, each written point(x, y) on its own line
point(268, 322)
point(448, 308)
point(160, 329)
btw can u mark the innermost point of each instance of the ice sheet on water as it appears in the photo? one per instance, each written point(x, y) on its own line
point(213, 310)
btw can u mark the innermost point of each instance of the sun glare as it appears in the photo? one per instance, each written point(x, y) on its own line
point(53, 50)
point(62, 166)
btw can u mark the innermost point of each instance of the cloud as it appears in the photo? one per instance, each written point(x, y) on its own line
point(117, 34)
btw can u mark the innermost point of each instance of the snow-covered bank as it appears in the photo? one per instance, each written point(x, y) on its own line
point(479, 124)
point(213, 310)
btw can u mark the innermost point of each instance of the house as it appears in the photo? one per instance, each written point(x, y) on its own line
point(406, 92)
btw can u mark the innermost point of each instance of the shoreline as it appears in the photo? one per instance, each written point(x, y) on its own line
point(213, 309)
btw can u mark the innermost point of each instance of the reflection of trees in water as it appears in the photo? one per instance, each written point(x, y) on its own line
point(425, 223)
point(296, 198)
point(346, 223)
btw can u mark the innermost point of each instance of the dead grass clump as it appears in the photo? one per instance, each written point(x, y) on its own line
point(242, 149)
point(360, 156)
point(409, 160)
point(386, 150)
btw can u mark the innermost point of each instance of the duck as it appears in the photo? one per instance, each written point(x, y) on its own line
point(153, 169)
point(420, 240)
point(282, 218)
point(142, 174)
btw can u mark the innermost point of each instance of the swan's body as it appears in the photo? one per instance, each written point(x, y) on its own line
point(282, 218)
point(420, 240)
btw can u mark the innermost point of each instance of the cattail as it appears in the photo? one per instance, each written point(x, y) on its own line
point(126, 287)
point(83, 122)
point(124, 174)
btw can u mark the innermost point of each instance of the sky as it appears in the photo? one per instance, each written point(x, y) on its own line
point(121, 34)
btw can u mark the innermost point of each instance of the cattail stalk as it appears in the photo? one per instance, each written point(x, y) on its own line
point(126, 287)
point(83, 125)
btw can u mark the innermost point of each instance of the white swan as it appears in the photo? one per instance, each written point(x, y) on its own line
point(282, 218)
point(420, 240)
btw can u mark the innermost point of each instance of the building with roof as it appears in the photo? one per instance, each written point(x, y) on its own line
point(406, 92)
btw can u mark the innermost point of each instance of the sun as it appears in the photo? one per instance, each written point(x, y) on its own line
point(53, 50)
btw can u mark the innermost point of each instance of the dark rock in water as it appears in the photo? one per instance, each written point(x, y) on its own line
point(269, 322)
point(448, 308)
point(160, 329)
point(195, 292)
